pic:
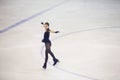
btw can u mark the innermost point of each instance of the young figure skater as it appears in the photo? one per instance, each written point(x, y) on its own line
point(48, 44)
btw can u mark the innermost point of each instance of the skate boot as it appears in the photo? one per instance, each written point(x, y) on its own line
point(55, 61)
point(44, 66)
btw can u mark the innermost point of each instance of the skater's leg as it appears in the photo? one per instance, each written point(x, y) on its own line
point(46, 58)
point(54, 59)
point(48, 47)
point(51, 53)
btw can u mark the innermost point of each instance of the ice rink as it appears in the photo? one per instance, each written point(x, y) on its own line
point(88, 45)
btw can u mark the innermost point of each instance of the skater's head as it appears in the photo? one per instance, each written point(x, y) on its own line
point(45, 25)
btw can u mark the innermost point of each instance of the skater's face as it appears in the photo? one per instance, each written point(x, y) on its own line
point(46, 26)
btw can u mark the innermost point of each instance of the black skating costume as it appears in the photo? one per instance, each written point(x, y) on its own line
point(48, 48)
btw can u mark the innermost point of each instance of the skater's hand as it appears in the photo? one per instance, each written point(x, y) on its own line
point(57, 31)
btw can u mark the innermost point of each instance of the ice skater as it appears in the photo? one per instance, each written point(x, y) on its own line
point(48, 44)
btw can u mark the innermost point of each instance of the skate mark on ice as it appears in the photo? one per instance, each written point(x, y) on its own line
point(67, 71)
point(33, 16)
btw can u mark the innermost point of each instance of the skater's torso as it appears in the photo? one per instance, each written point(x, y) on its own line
point(46, 36)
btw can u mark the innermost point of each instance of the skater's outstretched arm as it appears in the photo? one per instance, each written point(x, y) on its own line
point(54, 31)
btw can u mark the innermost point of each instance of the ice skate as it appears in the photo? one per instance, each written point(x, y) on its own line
point(55, 62)
point(44, 66)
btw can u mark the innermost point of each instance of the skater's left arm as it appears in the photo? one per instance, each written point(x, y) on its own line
point(54, 31)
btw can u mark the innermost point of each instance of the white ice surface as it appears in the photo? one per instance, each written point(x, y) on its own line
point(91, 51)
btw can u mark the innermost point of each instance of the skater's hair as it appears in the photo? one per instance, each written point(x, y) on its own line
point(47, 23)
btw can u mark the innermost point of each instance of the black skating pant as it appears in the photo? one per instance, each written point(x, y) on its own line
point(48, 50)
